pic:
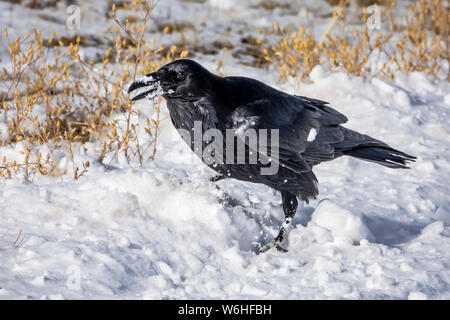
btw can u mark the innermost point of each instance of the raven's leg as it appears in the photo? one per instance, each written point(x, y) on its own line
point(217, 177)
point(281, 242)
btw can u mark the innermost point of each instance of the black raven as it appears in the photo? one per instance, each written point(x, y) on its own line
point(308, 130)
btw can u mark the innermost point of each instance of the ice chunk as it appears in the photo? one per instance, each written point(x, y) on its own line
point(342, 223)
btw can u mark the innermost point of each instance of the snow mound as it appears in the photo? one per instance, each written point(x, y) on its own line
point(345, 226)
point(433, 229)
point(443, 215)
point(416, 295)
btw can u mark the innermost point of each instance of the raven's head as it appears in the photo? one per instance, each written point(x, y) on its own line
point(182, 79)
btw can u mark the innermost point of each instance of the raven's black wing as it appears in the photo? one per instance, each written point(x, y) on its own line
point(310, 132)
point(297, 119)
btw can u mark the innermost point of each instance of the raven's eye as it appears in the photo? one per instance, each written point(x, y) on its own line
point(172, 75)
point(181, 76)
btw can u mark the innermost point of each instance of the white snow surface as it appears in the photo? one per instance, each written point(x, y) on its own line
point(165, 232)
point(344, 225)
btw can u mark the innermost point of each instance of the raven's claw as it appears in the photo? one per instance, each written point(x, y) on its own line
point(272, 244)
point(280, 243)
point(217, 178)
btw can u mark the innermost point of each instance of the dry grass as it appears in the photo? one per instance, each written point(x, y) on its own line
point(55, 100)
point(35, 4)
point(423, 45)
point(271, 5)
point(425, 42)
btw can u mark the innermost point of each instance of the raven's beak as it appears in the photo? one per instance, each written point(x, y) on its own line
point(143, 86)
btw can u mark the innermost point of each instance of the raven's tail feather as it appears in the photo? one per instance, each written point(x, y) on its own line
point(385, 156)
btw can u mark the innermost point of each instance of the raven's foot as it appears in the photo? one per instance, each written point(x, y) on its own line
point(281, 242)
point(217, 178)
point(275, 243)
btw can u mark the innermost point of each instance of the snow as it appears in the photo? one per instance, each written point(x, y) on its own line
point(417, 295)
point(165, 232)
point(144, 79)
point(311, 135)
point(344, 225)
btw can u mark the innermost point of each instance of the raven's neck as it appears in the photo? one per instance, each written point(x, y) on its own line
point(210, 109)
point(221, 97)
point(184, 114)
